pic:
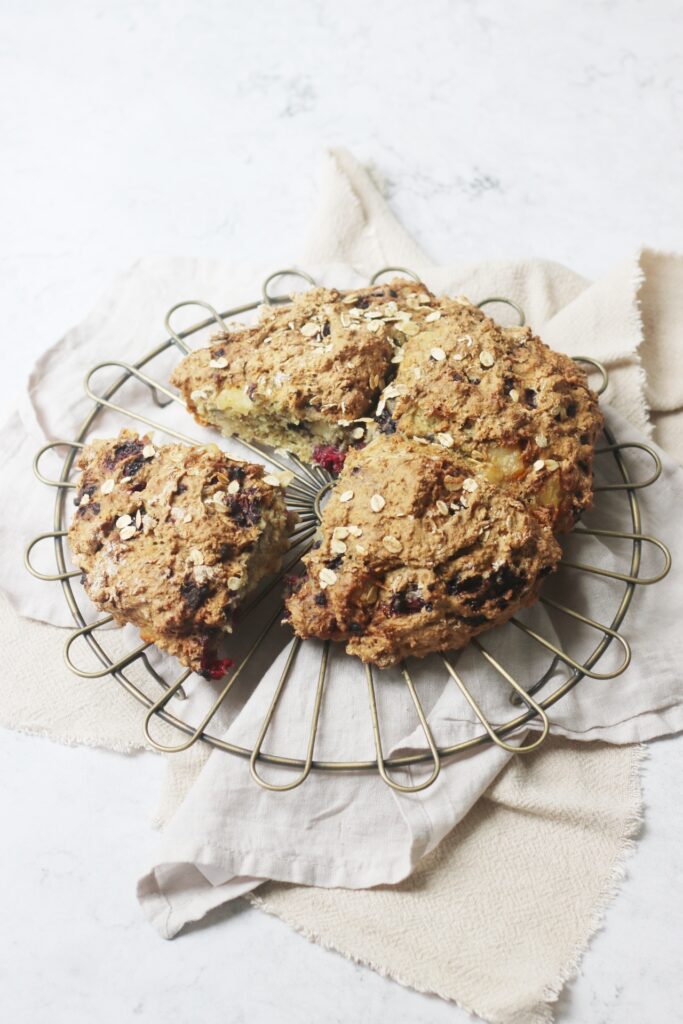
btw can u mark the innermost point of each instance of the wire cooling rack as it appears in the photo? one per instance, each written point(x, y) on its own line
point(304, 495)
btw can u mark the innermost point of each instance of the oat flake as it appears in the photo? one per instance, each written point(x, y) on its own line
point(327, 577)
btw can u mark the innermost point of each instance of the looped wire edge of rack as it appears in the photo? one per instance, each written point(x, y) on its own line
point(303, 494)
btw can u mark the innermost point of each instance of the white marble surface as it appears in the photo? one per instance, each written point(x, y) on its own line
point(74, 949)
point(195, 127)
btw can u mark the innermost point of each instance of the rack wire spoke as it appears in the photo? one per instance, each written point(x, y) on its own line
point(516, 700)
point(504, 302)
point(177, 684)
point(395, 270)
point(123, 662)
point(271, 300)
point(599, 368)
point(214, 316)
point(303, 531)
point(87, 630)
point(102, 400)
point(301, 490)
point(180, 693)
point(599, 626)
point(301, 507)
point(304, 495)
point(115, 666)
point(299, 539)
point(492, 730)
point(631, 485)
point(523, 695)
point(317, 703)
point(640, 538)
point(381, 762)
point(623, 446)
point(64, 484)
point(567, 658)
point(47, 577)
point(318, 477)
point(198, 733)
point(134, 371)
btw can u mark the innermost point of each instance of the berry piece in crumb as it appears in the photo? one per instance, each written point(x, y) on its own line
point(407, 603)
point(214, 667)
point(385, 423)
point(329, 458)
point(292, 583)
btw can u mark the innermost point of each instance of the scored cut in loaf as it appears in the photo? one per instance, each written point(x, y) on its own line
point(329, 371)
point(410, 389)
point(307, 377)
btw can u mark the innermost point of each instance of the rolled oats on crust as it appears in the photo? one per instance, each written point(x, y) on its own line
point(166, 543)
point(440, 561)
point(461, 448)
point(504, 401)
point(308, 375)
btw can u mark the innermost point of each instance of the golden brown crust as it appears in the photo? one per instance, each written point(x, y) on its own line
point(417, 555)
point(521, 414)
point(171, 538)
point(307, 374)
point(447, 394)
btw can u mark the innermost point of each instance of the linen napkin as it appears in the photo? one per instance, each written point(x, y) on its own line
point(497, 917)
point(608, 312)
point(223, 834)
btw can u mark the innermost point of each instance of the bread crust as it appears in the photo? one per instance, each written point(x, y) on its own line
point(423, 396)
point(474, 441)
point(521, 415)
point(416, 555)
point(171, 538)
point(307, 375)
point(333, 369)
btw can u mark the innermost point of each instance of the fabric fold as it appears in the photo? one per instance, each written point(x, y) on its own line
point(383, 876)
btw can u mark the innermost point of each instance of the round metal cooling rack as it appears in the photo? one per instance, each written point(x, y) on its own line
point(304, 495)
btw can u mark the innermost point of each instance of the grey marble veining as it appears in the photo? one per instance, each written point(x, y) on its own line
point(195, 128)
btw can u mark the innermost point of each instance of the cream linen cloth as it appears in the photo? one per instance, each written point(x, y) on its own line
point(607, 313)
point(496, 918)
